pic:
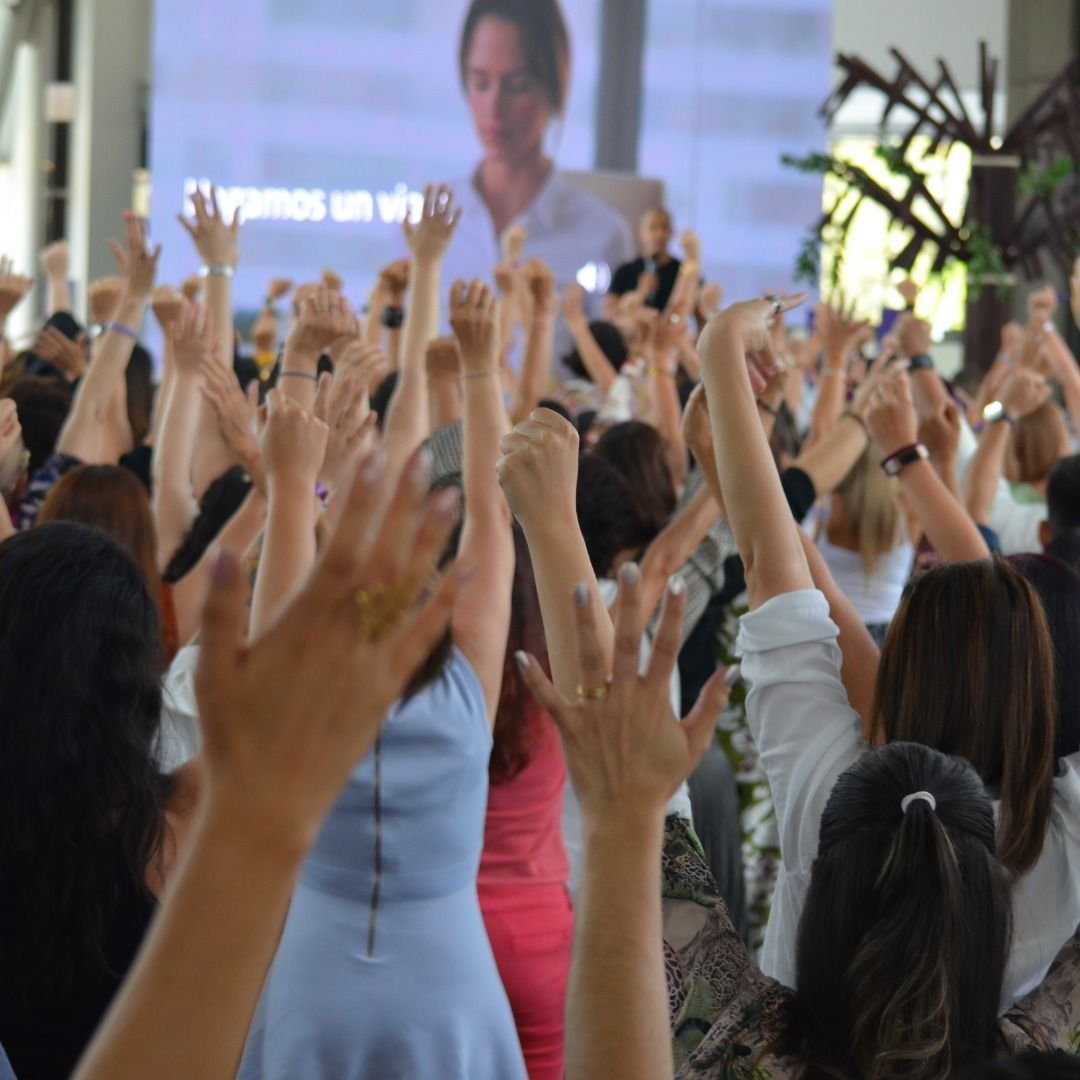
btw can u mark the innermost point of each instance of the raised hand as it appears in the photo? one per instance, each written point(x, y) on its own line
point(323, 317)
point(909, 291)
point(691, 245)
point(333, 280)
point(236, 413)
point(140, 262)
point(191, 287)
point(841, 333)
point(710, 299)
point(342, 404)
point(539, 467)
point(293, 445)
point(277, 288)
point(912, 336)
point(103, 298)
point(443, 358)
point(513, 244)
point(367, 363)
point(1042, 304)
point(56, 260)
point(940, 434)
point(393, 281)
point(430, 236)
point(540, 279)
point(573, 305)
point(890, 414)
point(215, 238)
point(13, 289)
point(626, 753)
point(167, 304)
point(472, 318)
point(1023, 391)
point(192, 339)
point(63, 353)
point(1012, 340)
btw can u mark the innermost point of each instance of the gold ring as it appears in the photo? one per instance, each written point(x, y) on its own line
point(593, 693)
point(380, 609)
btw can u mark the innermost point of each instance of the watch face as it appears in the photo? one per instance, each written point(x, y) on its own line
point(993, 412)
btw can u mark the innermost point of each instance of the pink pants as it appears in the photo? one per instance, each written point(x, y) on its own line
point(531, 929)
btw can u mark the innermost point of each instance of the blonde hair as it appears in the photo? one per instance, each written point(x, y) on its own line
point(874, 516)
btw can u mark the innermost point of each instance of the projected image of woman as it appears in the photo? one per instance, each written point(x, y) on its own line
point(514, 62)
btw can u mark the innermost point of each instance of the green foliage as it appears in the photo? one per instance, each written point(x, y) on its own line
point(984, 259)
point(1043, 180)
point(897, 164)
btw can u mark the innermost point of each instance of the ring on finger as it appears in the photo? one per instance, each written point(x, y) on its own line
point(594, 693)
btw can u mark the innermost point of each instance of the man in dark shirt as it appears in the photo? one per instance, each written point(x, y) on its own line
point(662, 268)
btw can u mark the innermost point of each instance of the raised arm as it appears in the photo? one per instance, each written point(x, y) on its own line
point(1066, 372)
point(538, 473)
point(663, 370)
point(83, 434)
point(539, 341)
point(482, 613)
point(56, 262)
point(167, 304)
point(216, 241)
point(174, 502)
point(841, 334)
point(891, 419)
point(443, 365)
point(284, 723)
point(407, 423)
point(1022, 392)
point(756, 508)
point(598, 366)
point(321, 318)
point(293, 448)
point(625, 753)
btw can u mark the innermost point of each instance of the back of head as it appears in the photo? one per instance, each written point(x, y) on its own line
point(1038, 442)
point(612, 344)
point(1058, 586)
point(112, 499)
point(968, 668)
point(81, 799)
point(1063, 496)
point(872, 503)
point(639, 452)
point(219, 502)
point(43, 406)
point(606, 513)
point(139, 380)
point(905, 932)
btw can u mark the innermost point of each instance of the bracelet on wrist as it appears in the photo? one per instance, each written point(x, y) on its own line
point(298, 375)
point(900, 459)
point(120, 328)
point(478, 374)
point(921, 362)
point(392, 317)
point(216, 270)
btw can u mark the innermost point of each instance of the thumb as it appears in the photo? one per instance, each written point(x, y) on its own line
point(700, 724)
point(222, 627)
point(252, 394)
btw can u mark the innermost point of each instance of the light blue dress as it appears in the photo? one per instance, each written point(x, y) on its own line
point(384, 970)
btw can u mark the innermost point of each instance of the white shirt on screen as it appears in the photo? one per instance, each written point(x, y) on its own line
point(572, 232)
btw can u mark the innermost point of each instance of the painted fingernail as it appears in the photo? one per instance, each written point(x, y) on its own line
point(629, 574)
point(581, 595)
point(522, 661)
point(676, 585)
point(446, 504)
point(224, 570)
point(420, 470)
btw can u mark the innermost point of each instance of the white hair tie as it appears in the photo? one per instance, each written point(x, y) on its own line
point(907, 800)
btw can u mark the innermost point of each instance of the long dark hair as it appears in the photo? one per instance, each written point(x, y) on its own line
point(639, 452)
point(968, 668)
point(82, 803)
point(517, 708)
point(905, 931)
point(545, 42)
point(219, 502)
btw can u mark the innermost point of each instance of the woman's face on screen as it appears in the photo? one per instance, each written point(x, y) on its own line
point(509, 107)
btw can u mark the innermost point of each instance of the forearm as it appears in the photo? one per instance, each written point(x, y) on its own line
point(679, 539)
point(444, 401)
point(861, 656)
point(185, 1007)
point(536, 367)
point(161, 397)
point(669, 420)
point(212, 455)
point(82, 430)
point(1068, 374)
point(832, 390)
point(174, 501)
point(757, 510)
point(288, 549)
point(407, 422)
point(596, 364)
point(834, 456)
point(617, 1007)
point(560, 563)
point(985, 470)
point(947, 525)
point(689, 359)
point(239, 533)
point(59, 294)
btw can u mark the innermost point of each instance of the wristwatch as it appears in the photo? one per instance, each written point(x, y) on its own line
point(921, 362)
point(995, 413)
point(895, 463)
